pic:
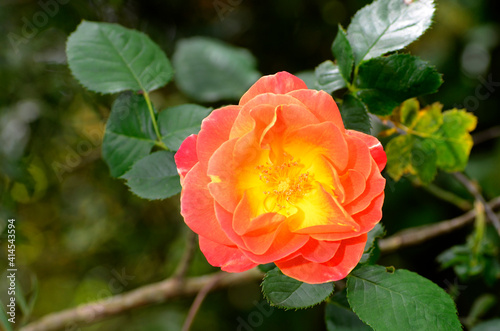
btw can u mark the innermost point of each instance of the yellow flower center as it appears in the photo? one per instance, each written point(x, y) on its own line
point(285, 184)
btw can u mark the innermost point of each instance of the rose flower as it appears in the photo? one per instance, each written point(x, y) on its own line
point(279, 179)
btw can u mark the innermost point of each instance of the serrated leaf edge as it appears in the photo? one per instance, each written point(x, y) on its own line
point(286, 308)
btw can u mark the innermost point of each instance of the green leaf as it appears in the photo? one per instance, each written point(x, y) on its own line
point(388, 25)
point(479, 308)
point(400, 300)
point(383, 83)
point(328, 77)
point(340, 317)
point(414, 155)
point(398, 152)
point(453, 141)
point(285, 292)
point(129, 133)
point(209, 70)
point(491, 325)
point(424, 159)
point(177, 123)
point(266, 267)
point(4, 319)
point(354, 114)
point(434, 139)
point(109, 58)
point(21, 300)
point(154, 176)
point(309, 77)
point(430, 120)
point(476, 256)
point(24, 302)
point(409, 112)
point(377, 232)
point(342, 52)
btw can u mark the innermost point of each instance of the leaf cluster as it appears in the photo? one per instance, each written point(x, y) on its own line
point(431, 140)
point(375, 297)
point(377, 84)
point(109, 58)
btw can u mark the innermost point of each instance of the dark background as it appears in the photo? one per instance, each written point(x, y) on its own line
point(77, 227)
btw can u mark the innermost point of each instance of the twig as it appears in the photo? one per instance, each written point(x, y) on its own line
point(146, 295)
point(478, 196)
point(482, 136)
point(445, 195)
point(183, 266)
point(420, 234)
point(197, 302)
point(172, 288)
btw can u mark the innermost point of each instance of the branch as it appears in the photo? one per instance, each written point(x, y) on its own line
point(183, 266)
point(473, 189)
point(175, 287)
point(146, 295)
point(482, 136)
point(444, 195)
point(423, 233)
point(198, 300)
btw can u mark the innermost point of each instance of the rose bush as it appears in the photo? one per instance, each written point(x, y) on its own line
point(279, 179)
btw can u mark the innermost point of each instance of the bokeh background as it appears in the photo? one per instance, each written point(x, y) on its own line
point(82, 236)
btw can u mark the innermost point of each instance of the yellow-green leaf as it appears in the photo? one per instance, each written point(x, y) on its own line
point(453, 141)
point(430, 119)
point(433, 139)
point(398, 152)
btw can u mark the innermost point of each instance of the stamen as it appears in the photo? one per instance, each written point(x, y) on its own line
point(286, 183)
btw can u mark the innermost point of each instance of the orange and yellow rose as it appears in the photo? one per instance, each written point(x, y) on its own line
point(278, 178)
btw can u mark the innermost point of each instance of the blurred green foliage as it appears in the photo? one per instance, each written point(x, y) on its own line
point(81, 235)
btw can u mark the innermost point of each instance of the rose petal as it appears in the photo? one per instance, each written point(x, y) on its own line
point(354, 184)
point(324, 139)
point(225, 219)
point(215, 131)
point(322, 213)
point(319, 251)
point(244, 123)
point(186, 156)
point(375, 184)
point(221, 169)
point(346, 258)
point(369, 217)
point(321, 104)
point(245, 220)
point(197, 206)
point(233, 172)
point(366, 220)
point(248, 148)
point(259, 243)
point(229, 258)
point(359, 156)
point(283, 244)
point(280, 83)
point(292, 117)
point(376, 148)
